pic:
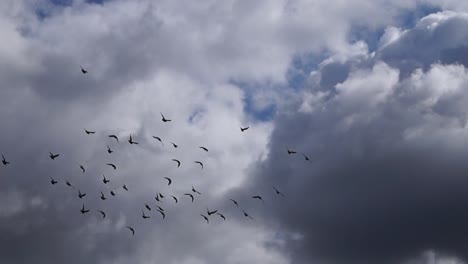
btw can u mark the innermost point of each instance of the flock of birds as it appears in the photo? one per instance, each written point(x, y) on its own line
point(159, 196)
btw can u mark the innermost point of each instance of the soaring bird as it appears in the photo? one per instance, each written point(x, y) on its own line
point(205, 149)
point(246, 214)
point(244, 129)
point(162, 213)
point(103, 197)
point(159, 139)
point(89, 132)
point(206, 218)
point(114, 137)
point(82, 168)
point(160, 208)
point(199, 162)
point(81, 195)
point(53, 156)
point(161, 196)
point(125, 187)
point(157, 198)
point(191, 196)
point(112, 193)
point(195, 191)
point(131, 229)
point(144, 215)
point(112, 165)
point(4, 161)
point(83, 70)
point(174, 144)
point(148, 207)
point(69, 184)
point(305, 157)
point(169, 181)
point(211, 212)
point(104, 179)
point(258, 197)
point(164, 118)
point(53, 181)
point(291, 151)
point(83, 211)
point(178, 162)
point(278, 192)
point(222, 216)
point(102, 213)
point(109, 150)
point(175, 198)
point(130, 140)
point(234, 201)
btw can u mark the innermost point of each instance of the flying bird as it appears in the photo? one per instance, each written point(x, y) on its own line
point(103, 197)
point(211, 212)
point(112, 193)
point(83, 70)
point(206, 218)
point(222, 216)
point(83, 211)
point(205, 149)
point(102, 213)
point(278, 192)
point(175, 198)
point(81, 195)
point(89, 132)
point(144, 215)
point(114, 137)
point(246, 215)
point(109, 150)
point(125, 187)
point(164, 118)
point(291, 151)
point(148, 207)
point(234, 201)
point(199, 162)
point(69, 184)
point(159, 139)
point(130, 140)
point(160, 208)
point(131, 229)
point(195, 191)
point(161, 196)
point(162, 213)
point(305, 157)
point(104, 179)
point(82, 168)
point(53, 181)
point(258, 197)
point(191, 196)
point(112, 165)
point(244, 129)
point(169, 181)
point(157, 198)
point(53, 156)
point(4, 161)
point(174, 144)
point(178, 162)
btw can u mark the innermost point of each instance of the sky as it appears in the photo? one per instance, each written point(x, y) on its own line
point(373, 93)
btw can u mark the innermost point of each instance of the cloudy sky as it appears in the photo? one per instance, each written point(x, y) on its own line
point(373, 92)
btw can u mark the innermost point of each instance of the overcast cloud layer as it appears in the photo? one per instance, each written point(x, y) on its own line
point(373, 92)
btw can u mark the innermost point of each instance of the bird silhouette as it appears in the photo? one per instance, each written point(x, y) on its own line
point(244, 129)
point(195, 191)
point(206, 218)
point(160, 208)
point(175, 198)
point(205, 149)
point(82, 168)
point(161, 196)
point(69, 184)
point(148, 207)
point(159, 139)
point(162, 213)
point(131, 229)
point(102, 213)
point(53, 156)
point(103, 197)
point(169, 181)
point(222, 216)
point(211, 212)
point(178, 162)
point(104, 179)
point(89, 132)
point(247, 215)
point(191, 196)
point(112, 193)
point(81, 195)
point(278, 192)
point(144, 215)
point(258, 197)
point(234, 201)
point(109, 150)
point(130, 140)
point(199, 162)
point(290, 151)
point(164, 119)
point(83, 70)
point(112, 165)
point(4, 161)
point(114, 137)
point(305, 157)
point(53, 181)
point(157, 197)
point(83, 211)
point(174, 144)
point(125, 187)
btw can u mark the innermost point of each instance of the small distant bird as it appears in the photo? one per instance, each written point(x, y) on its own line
point(125, 187)
point(83, 70)
point(205, 149)
point(83, 211)
point(199, 162)
point(164, 118)
point(131, 229)
point(162, 213)
point(178, 162)
point(89, 132)
point(112, 165)
point(258, 197)
point(278, 192)
point(144, 215)
point(160, 208)
point(206, 218)
point(211, 212)
point(81, 195)
point(102, 213)
point(246, 215)
point(53, 181)
point(222, 216)
point(148, 207)
point(169, 181)
point(69, 184)
point(103, 197)
point(114, 137)
point(291, 151)
point(112, 193)
point(174, 144)
point(191, 196)
point(161, 196)
point(305, 157)
point(4, 161)
point(195, 191)
point(53, 156)
point(157, 198)
point(130, 140)
point(159, 139)
point(104, 179)
point(109, 150)
point(234, 201)
point(244, 129)
point(82, 168)
point(175, 198)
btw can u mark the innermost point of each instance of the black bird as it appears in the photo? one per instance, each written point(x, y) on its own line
point(4, 161)
point(53, 156)
point(131, 229)
point(125, 187)
point(102, 213)
point(112, 165)
point(104, 179)
point(234, 201)
point(157, 198)
point(211, 212)
point(195, 191)
point(206, 218)
point(247, 215)
point(109, 150)
point(161, 196)
point(115, 137)
point(169, 181)
point(81, 195)
point(89, 132)
point(53, 181)
point(148, 207)
point(175, 198)
point(244, 129)
point(291, 151)
point(159, 139)
point(112, 193)
point(278, 192)
point(103, 197)
point(305, 157)
point(178, 162)
point(191, 196)
point(205, 149)
point(199, 162)
point(143, 215)
point(83, 70)
point(162, 213)
point(69, 184)
point(130, 140)
point(222, 216)
point(82, 168)
point(83, 211)
point(174, 144)
point(160, 208)
point(164, 118)
point(258, 197)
